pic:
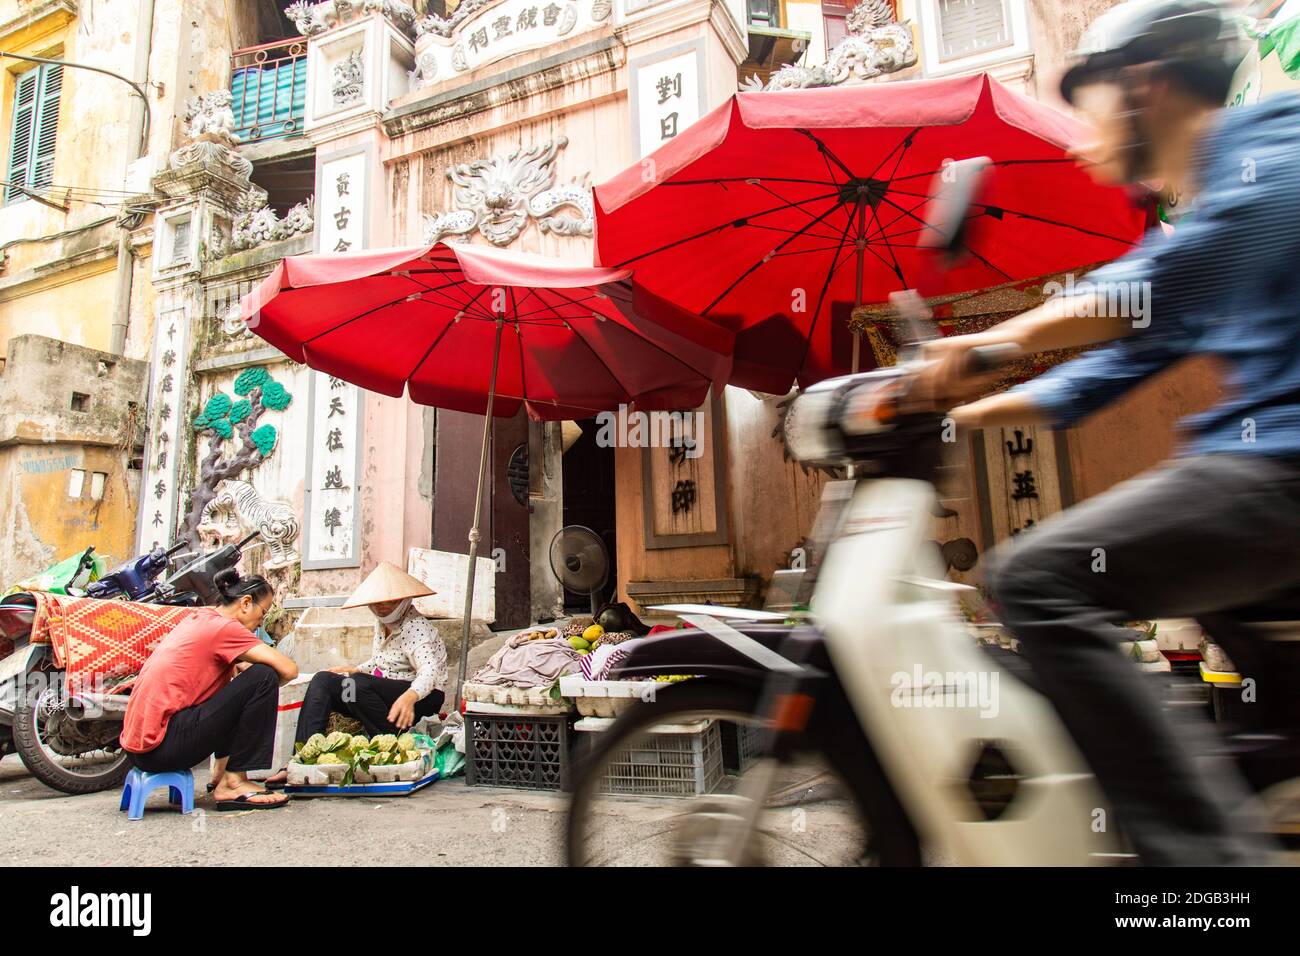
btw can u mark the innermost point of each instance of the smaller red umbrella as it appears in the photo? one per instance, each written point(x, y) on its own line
point(477, 329)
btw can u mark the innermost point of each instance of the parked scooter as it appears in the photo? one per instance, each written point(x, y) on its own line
point(69, 741)
point(938, 742)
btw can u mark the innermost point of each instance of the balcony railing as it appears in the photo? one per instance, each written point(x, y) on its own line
point(268, 90)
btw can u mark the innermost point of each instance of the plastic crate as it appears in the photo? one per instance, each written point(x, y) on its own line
point(742, 744)
point(668, 765)
point(512, 750)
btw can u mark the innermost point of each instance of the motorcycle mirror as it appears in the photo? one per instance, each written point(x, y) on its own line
point(955, 190)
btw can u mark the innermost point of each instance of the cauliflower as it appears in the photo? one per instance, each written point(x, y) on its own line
point(406, 742)
point(384, 742)
point(332, 759)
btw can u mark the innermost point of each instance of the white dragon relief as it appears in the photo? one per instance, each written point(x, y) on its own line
point(498, 196)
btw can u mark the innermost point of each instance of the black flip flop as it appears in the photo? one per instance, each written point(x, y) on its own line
point(242, 802)
point(269, 786)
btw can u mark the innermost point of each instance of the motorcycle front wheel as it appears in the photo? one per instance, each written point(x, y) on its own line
point(637, 797)
point(38, 738)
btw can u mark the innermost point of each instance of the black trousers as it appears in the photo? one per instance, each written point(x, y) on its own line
point(1193, 538)
point(364, 696)
point(237, 721)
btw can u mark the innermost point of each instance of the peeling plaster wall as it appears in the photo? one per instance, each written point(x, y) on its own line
point(43, 439)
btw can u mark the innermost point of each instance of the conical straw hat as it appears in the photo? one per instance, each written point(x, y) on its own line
point(387, 582)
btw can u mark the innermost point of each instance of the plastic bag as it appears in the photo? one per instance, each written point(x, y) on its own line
point(448, 761)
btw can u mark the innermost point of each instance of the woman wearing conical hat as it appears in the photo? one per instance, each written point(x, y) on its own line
point(400, 682)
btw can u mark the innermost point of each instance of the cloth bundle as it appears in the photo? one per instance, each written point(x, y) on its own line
point(523, 663)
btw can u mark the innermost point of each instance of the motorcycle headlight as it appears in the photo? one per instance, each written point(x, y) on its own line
point(808, 434)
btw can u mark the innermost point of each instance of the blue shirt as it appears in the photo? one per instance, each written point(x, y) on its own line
point(1225, 283)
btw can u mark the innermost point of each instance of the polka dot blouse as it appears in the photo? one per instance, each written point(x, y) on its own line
point(412, 651)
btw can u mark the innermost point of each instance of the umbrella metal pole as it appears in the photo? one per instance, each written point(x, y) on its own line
point(857, 288)
point(478, 510)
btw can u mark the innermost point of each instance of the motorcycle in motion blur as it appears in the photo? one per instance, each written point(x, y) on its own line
point(68, 738)
point(942, 745)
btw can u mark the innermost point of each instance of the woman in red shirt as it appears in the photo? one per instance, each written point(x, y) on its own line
point(211, 687)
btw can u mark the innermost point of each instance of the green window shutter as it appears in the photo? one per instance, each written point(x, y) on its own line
point(22, 136)
point(47, 126)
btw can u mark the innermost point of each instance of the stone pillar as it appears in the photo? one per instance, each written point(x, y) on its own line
point(208, 188)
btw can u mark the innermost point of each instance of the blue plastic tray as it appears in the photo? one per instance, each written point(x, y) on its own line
point(398, 788)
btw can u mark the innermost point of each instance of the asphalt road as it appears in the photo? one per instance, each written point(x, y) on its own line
point(446, 823)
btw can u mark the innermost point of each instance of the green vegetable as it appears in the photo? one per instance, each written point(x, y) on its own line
point(359, 742)
point(332, 759)
point(384, 742)
point(336, 741)
point(406, 742)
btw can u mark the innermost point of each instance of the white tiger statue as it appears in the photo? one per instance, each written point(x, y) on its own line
point(238, 506)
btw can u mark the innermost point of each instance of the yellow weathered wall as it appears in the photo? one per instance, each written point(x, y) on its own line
point(74, 305)
point(43, 524)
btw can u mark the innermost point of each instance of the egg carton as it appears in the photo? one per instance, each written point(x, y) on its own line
point(605, 698)
point(311, 775)
point(538, 700)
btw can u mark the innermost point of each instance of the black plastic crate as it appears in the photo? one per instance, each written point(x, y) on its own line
point(507, 750)
point(741, 745)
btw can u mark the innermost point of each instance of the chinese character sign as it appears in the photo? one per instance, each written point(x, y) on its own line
point(159, 489)
point(667, 100)
point(508, 27)
point(1023, 478)
point(335, 443)
point(340, 204)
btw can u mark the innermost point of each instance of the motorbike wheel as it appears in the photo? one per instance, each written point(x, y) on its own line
point(646, 830)
point(90, 772)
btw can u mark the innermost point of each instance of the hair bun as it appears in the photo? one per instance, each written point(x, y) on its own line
point(226, 581)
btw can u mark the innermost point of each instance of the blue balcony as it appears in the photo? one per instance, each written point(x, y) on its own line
point(268, 90)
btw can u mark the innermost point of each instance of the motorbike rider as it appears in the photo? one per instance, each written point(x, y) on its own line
point(1212, 530)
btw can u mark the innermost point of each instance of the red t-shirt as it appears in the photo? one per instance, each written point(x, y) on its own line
point(191, 664)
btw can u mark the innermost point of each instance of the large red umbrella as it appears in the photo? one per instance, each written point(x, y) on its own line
point(479, 329)
point(779, 211)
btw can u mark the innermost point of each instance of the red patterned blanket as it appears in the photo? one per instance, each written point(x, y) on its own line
point(97, 642)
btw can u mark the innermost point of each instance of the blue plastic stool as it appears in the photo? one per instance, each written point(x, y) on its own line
point(179, 783)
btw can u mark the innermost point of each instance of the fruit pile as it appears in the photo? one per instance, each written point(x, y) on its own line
point(586, 643)
point(537, 634)
point(356, 751)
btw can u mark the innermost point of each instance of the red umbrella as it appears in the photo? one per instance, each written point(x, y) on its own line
point(803, 203)
point(426, 320)
point(474, 329)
